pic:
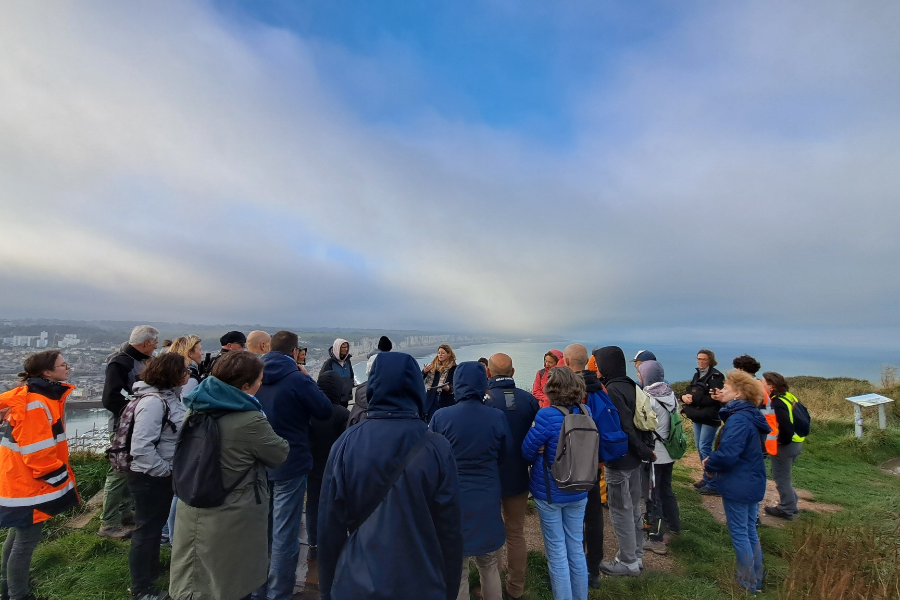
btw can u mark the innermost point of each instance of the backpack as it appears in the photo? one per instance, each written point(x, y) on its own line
point(802, 420)
point(676, 444)
point(644, 415)
point(119, 453)
point(613, 441)
point(197, 464)
point(575, 465)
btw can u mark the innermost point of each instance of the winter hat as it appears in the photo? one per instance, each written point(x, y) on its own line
point(384, 344)
point(651, 372)
point(233, 337)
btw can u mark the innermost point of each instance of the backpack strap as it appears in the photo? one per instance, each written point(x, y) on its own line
point(562, 409)
point(355, 524)
point(585, 410)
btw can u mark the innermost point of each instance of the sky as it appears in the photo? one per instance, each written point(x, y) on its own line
point(684, 171)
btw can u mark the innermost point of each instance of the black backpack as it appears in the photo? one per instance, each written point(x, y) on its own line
point(197, 464)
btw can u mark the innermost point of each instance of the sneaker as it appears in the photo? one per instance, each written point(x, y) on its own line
point(699, 484)
point(152, 596)
point(313, 553)
point(774, 511)
point(115, 532)
point(656, 547)
point(594, 581)
point(708, 491)
point(614, 568)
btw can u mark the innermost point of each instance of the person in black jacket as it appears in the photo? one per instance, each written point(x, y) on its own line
point(410, 547)
point(122, 371)
point(623, 476)
point(790, 445)
point(322, 435)
point(702, 409)
point(520, 407)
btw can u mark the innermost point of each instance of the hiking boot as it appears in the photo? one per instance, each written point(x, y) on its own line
point(669, 537)
point(699, 484)
point(313, 553)
point(774, 511)
point(115, 532)
point(151, 596)
point(656, 547)
point(708, 491)
point(614, 568)
point(594, 581)
point(128, 519)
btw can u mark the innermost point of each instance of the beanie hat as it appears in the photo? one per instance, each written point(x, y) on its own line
point(233, 337)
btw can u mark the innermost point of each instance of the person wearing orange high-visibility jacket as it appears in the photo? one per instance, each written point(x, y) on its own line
point(36, 481)
point(790, 445)
point(750, 365)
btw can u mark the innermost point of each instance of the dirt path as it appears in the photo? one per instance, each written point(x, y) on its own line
point(714, 503)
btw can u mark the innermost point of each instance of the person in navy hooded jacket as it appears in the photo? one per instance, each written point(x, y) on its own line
point(739, 469)
point(481, 440)
point(289, 398)
point(410, 546)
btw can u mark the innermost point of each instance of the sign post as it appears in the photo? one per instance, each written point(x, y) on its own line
point(865, 401)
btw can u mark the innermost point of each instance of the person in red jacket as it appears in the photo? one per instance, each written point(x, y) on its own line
point(36, 481)
point(551, 359)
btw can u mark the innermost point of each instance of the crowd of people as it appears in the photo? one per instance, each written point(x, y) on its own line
point(404, 479)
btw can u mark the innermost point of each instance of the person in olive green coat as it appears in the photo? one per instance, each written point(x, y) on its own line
point(221, 553)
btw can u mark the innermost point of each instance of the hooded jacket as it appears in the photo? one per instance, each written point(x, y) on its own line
point(664, 403)
point(290, 398)
point(540, 380)
point(545, 432)
point(519, 407)
point(36, 480)
point(480, 438)
point(737, 463)
point(410, 547)
point(324, 432)
point(344, 368)
point(621, 390)
point(704, 409)
point(155, 432)
point(121, 373)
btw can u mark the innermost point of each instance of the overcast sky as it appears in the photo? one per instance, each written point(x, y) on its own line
point(656, 170)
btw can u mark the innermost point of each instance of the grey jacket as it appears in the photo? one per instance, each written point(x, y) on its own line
point(664, 402)
point(153, 442)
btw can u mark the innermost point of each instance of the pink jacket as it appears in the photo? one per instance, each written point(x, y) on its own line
point(540, 380)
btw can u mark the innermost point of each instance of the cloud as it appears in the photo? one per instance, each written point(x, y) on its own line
point(733, 172)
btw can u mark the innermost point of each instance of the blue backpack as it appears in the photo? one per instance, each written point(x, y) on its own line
point(613, 441)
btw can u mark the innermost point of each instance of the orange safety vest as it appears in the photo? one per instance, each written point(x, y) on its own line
point(36, 481)
point(768, 411)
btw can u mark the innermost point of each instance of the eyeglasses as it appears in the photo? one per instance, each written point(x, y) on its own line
point(66, 366)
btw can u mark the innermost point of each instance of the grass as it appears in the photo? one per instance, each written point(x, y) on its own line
point(852, 554)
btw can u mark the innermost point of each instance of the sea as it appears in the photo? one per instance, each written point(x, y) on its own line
point(678, 362)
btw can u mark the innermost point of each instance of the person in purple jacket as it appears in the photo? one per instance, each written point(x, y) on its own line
point(561, 513)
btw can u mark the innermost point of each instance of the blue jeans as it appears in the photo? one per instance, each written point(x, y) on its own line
point(745, 539)
point(704, 436)
point(561, 526)
point(285, 518)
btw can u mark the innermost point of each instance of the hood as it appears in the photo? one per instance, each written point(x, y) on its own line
point(611, 362)
point(384, 344)
point(215, 394)
point(144, 388)
point(278, 366)
point(14, 403)
point(662, 393)
point(651, 372)
point(335, 350)
point(332, 385)
point(591, 382)
point(558, 354)
point(395, 384)
point(751, 412)
point(469, 381)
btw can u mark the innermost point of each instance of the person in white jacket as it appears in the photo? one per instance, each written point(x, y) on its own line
point(157, 419)
point(652, 378)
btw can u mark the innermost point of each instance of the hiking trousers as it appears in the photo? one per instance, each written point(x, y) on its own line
point(17, 550)
point(514, 508)
point(488, 572)
point(593, 529)
point(782, 465)
point(623, 489)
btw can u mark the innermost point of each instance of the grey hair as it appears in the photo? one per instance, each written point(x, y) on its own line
point(143, 333)
point(565, 387)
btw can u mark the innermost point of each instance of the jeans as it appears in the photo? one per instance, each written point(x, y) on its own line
point(285, 518)
point(312, 510)
point(742, 529)
point(152, 501)
point(704, 436)
point(664, 502)
point(593, 529)
point(17, 550)
point(489, 574)
point(170, 522)
point(782, 464)
point(623, 489)
point(514, 508)
point(561, 526)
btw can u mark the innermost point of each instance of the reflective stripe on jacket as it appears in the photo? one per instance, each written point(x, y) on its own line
point(768, 411)
point(36, 481)
point(789, 399)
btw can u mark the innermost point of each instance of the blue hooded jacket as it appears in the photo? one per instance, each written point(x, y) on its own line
point(215, 394)
point(519, 411)
point(289, 398)
point(480, 438)
point(738, 464)
point(410, 547)
point(545, 432)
